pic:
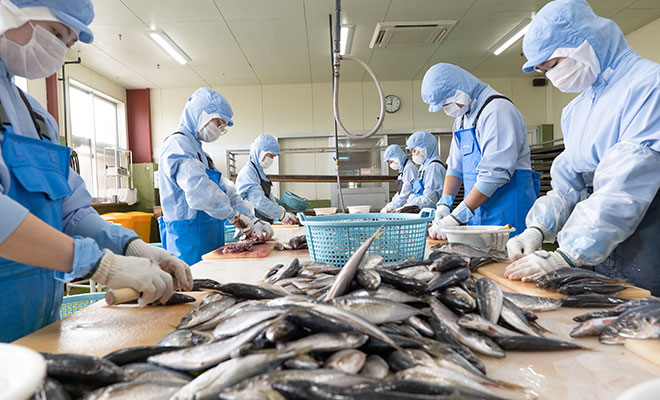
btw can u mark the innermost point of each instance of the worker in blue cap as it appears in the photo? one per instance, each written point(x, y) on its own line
point(427, 187)
point(49, 233)
point(489, 154)
point(254, 186)
point(397, 160)
point(612, 138)
point(195, 198)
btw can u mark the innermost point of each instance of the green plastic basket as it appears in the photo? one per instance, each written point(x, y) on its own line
point(77, 302)
point(333, 239)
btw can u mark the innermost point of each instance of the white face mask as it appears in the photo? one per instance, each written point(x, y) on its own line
point(394, 164)
point(571, 76)
point(420, 156)
point(41, 57)
point(266, 163)
point(453, 110)
point(210, 133)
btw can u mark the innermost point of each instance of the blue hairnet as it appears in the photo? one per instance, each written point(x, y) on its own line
point(265, 143)
point(441, 82)
point(394, 152)
point(567, 24)
point(426, 141)
point(76, 14)
point(204, 99)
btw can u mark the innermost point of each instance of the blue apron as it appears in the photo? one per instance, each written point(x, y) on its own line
point(39, 169)
point(418, 183)
point(189, 239)
point(511, 202)
point(636, 258)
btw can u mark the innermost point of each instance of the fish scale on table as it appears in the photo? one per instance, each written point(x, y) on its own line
point(367, 330)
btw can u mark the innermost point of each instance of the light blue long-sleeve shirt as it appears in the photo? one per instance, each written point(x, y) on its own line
point(502, 138)
point(433, 172)
point(407, 175)
point(611, 135)
point(248, 182)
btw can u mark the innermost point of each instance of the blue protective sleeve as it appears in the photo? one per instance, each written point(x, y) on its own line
point(114, 238)
point(486, 188)
point(86, 254)
point(408, 177)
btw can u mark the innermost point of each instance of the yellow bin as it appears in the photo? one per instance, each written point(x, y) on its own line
point(141, 223)
point(119, 218)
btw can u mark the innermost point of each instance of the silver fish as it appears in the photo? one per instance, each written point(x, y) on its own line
point(375, 367)
point(420, 326)
point(348, 360)
point(592, 327)
point(347, 273)
point(324, 342)
point(144, 372)
point(210, 383)
point(203, 313)
point(286, 272)
point(303, 361)
point(513, 316)
point(136, 390)
point(490, 299)
point(243, 320)
point(467, 251)
point(645, 326)
point(480, 324)
point(211, 297)
point(533, 303)
point(206, 355)
point(387, 292)
point(372, 261)
point(185, 338)
point(335, 377)
point(368, 279)
point(375, 310)
point(420, 272)
point(471, 339)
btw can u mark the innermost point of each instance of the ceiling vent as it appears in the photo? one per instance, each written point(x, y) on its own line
point(410, 34)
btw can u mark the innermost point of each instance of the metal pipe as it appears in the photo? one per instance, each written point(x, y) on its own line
point(335, 68)
point(78, 61)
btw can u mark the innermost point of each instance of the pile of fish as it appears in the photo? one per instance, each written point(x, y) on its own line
point(636, 319)
point(583, 288)
point(295, 243)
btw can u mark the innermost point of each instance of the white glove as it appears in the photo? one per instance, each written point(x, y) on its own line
point(386, 209)
point(526, 243)
point(242, 223)
point(262, 230)
point(440, 212)
point(179, 270)
point(137, 273)
point(533, 265)
point(288, 217)
point(436, 230)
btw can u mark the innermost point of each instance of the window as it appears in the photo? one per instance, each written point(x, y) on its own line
point(97, 121)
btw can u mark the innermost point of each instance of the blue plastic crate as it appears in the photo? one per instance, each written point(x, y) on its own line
point(71, 304)
point(333, 239)
point(294, 202)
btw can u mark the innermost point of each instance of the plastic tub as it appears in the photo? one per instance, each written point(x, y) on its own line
point(481, 236)
point(325, 211)
point(77, 302)
point(334, 238)
point(119, 218)
point(141, 223)
point(359, 209)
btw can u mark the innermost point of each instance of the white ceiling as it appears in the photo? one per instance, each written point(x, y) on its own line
point(252, 42)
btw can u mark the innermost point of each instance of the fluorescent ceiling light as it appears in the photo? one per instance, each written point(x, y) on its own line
point(512, 37)
point(346, 39)
point(167, 44)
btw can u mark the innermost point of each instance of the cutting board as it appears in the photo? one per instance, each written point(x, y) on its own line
point(281, 226)
point(258, 251)
point(101, 329)
point(648, 349)
point(432, 242)
point(495, 271)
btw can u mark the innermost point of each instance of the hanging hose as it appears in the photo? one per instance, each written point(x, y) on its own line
point(335, 96)
point(335, 79)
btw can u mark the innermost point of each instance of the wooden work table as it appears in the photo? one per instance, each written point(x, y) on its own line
point(602, 372)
